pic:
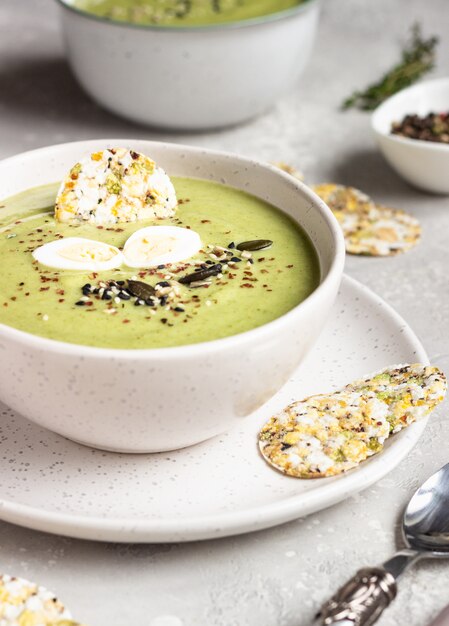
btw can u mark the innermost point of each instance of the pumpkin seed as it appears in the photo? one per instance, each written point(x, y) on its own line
point(255, 244)
point(140, 290)
point(212, 270)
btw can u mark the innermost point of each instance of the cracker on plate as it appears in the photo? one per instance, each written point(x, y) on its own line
point(325, 435)
point(411, 391)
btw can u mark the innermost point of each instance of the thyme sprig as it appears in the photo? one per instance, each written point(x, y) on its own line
point(418, 58)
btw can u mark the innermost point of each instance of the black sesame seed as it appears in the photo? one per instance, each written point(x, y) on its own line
point(106, 296)
point(179, 309)
point(163, 283)
point(236, 259)
point(137, 303)
point(120, 282)
point(150, 302)
point(210, 262)
point(164, 320)
point(164, 300)
point(161, 267)
point(80, 303)
point(123, 295)
point(231, 245)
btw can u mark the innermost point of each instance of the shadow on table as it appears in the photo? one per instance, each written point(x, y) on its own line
point(44, 91)
point(367, 170)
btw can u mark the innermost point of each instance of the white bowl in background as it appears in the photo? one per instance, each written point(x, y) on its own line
point(189, 78)
point(161, 399)
point(424, 164)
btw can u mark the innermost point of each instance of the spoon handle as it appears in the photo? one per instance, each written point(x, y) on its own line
point(361, 601)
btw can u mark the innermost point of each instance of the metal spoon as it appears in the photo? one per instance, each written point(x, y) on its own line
point(362, 600)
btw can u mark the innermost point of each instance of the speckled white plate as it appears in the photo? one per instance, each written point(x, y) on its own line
point(220, 487)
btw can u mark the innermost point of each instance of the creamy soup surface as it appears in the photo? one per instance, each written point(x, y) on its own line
point(253, 289)
point(184, 12)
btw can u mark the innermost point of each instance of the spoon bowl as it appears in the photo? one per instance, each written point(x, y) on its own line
point(426, 519)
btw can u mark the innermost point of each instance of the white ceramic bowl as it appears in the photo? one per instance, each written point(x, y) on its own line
point(162, 399)
point(421, 163)
point(189, 78)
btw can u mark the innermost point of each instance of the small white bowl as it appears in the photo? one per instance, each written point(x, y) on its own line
point(424, 164)
point(163, 399)
point(189, 78)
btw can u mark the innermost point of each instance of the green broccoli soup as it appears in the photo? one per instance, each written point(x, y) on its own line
point(254, 265)
point(183, 12)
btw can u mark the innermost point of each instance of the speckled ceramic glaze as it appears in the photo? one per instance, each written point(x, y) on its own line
point(189, 78)
point(220, 487)
point(164, 399)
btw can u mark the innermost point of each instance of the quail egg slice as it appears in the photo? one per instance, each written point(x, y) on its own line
point(161, 245)
point(77, 253)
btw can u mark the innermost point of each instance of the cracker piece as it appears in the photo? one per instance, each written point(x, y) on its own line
point(369, 229)
point(411, 391)
point(381, 232)
point(112, 186)
point(344, 200)
point(325, 435)
point(23, 603)
point(289, 169)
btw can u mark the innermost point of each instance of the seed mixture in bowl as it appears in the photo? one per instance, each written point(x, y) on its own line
point(430, 127)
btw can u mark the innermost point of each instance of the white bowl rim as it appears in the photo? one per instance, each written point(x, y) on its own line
point(188, 350)
point(382, 108)
point(277, 16)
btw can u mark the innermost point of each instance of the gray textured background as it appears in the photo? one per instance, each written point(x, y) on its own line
point(281, 575)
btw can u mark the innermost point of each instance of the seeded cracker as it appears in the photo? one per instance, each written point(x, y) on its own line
point(293, 171)
point(116, 185)
point(369, 229)
point(326, 435)
point(411, 391)
point(23, 603)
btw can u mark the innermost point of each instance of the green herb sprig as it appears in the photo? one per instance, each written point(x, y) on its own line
point(418, 58)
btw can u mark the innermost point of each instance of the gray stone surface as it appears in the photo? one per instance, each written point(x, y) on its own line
point(281, 575)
